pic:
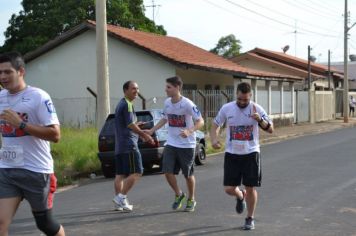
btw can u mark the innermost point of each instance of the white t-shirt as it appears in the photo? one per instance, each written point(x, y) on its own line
point(20, 149)
point(180, 116)
point(242, 134)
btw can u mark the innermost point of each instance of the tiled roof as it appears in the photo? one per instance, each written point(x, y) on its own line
point(172, 49)
point(182, 52)
point(293, 61)
point(264, 59)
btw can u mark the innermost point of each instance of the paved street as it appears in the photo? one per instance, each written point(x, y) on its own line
point(308, 188)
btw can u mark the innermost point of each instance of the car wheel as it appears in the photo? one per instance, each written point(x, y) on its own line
point(108, 171)
point(200, 156)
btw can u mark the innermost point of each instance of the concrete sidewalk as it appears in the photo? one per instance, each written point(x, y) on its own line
point(297, 130)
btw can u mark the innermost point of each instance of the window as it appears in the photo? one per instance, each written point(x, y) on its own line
point(208, 87)
point(190, 87)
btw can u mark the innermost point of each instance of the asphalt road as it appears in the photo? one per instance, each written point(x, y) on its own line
point(308, 188)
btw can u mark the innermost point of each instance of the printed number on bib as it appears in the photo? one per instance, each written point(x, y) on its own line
point(239, 147)
point(12, 156)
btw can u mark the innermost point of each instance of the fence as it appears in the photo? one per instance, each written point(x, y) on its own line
point(324, 105)
point(301, 106)
point(209, 101)
point(81, 112)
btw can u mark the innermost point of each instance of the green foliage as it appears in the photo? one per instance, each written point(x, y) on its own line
point(76, 154)
point(43, 20)
point(227, 46)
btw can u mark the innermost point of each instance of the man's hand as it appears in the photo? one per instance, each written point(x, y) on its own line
point(216, 144)
point(147, 138)
point(140, 123)
point(185, 133)
point(255, 114)
point(148, 131)
point(11, 117)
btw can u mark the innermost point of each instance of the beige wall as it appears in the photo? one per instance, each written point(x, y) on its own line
point(202, 78)
point(253, 63)
point(67, 70)
point(324, 108)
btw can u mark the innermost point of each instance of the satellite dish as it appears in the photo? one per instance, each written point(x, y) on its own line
point(285, 48)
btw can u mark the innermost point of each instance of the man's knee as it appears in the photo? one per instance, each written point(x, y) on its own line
point(250, 190)
point(46, 223)
point(230, 190)
point(4, 226)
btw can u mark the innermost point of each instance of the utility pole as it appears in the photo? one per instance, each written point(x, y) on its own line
point(346, 76)
point(102, 82)
point(346, 79)
point(153, 9)
point(309, 69)
point(295, 39)
point(329, 72)
point(310, 91)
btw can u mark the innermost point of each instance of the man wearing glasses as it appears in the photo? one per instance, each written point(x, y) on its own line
point(242, 149)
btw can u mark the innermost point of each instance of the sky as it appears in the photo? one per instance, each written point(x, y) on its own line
point(268, 24)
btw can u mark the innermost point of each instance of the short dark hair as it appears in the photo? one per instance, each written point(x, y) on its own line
point(175, 81)
point(127, 85)
point(15, 58)
point(243, 88)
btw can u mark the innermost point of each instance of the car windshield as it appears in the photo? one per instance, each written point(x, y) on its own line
point(109, 126)
point(147, 118)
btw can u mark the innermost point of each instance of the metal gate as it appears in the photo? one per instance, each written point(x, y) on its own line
point(339, 101)
point(301, 106)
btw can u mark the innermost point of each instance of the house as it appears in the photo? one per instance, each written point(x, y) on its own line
point(66, 68)
point(351, 72)
point(282, 63)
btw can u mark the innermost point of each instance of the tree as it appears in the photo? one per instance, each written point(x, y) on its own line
point(43, 20)
point(227, 46)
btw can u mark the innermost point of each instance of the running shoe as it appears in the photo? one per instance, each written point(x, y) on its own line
point(190, 205)
point(177, 204)
point(122, 204)
point(249, 224)
point(241, 203)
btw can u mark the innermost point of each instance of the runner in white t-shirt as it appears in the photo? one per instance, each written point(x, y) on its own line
point(183, 119)
point(28, 121)
point(242, 149)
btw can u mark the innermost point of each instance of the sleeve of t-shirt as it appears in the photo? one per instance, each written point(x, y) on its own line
point(165, 116)
point(46, 112)
point(220, 119)
point(193, 110)
point(263, 114)
point(129, 114)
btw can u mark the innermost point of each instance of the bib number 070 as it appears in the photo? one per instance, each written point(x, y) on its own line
point(8, 155)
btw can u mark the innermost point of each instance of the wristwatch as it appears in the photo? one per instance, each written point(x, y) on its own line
point(22, 125)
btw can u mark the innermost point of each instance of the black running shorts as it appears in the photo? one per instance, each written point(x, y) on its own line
point(245, 169)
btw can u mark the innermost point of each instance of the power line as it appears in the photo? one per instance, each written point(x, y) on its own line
point(323, 5)
point(280, 22)
point(352, 45)
point(339, 33)
point(288, 16)
point(308, 9)
point(319, 8)
point(234, 13)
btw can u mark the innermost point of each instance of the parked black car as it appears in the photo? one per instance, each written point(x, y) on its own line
point(151, 154)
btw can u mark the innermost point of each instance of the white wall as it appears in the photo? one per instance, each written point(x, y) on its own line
point(66, 71)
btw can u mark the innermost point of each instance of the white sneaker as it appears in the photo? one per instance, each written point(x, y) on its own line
point(125, 205)
point(122, 204)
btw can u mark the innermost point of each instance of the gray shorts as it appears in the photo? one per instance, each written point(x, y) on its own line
point(37, 188)
point(176, 159)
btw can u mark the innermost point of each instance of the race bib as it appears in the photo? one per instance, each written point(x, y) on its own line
point(239, 147)
point(12, 156)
